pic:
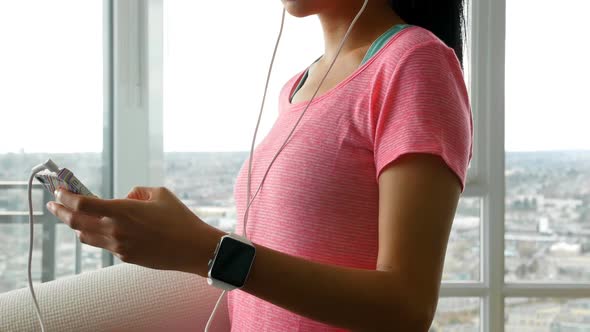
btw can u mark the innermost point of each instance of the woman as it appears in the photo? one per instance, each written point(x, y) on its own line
point(352, 223)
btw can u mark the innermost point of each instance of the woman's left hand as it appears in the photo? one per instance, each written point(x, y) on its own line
point(151, 227)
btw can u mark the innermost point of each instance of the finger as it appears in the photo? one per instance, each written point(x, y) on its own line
point(95, 240)
point(77, 220)
point(141, 193)
point(90, 205)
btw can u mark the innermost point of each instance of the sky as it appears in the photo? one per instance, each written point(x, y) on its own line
point(216, 58)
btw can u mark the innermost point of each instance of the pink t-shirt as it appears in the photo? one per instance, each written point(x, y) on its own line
point(320, 199)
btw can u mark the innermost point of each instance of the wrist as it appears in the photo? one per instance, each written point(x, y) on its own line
point(208, 240)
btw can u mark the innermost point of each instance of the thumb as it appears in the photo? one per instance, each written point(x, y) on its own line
point(141, 193)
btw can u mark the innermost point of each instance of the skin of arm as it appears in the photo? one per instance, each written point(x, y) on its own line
point(418, 196)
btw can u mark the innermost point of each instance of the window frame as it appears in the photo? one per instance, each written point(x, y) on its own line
point(108, 92)
point(488, 31)
point(134, 91)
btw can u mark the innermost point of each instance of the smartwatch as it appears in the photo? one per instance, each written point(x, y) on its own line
point(231, 263)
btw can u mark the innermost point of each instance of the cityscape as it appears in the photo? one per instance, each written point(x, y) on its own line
point(547, 223)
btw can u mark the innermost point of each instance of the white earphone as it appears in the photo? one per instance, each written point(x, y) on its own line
point(49, 165)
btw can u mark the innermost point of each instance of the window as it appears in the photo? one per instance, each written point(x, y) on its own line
point(547, 174)
point(546, 220)
point(52, 96)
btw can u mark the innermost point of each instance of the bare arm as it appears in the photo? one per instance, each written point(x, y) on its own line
point(418, 196)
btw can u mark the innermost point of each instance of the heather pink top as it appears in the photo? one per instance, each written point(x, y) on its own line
point(320, 199)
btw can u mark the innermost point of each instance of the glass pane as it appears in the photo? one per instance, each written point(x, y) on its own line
point(52, 107)
point(66, 251)
point(211, 100)
point(204, 181)
point(547, 142)
point(547, 314)
point(14, 255)
point(457, 314)
point(90, 259)
point(462, 261)
point(547, 217)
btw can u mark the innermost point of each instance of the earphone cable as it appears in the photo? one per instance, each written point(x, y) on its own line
point(31, 223)
point(261, 109)
point(250, 201)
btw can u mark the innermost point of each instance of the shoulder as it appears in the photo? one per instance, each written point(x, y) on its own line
point(415, 44)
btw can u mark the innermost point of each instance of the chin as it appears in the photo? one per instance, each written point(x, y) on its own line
point(303, 8)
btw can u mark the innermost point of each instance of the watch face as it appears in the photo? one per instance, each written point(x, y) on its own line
point(232, 262)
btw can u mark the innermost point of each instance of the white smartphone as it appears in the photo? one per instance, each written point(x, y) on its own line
point(64, 178)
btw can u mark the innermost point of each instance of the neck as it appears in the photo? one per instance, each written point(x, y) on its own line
point(375, 20)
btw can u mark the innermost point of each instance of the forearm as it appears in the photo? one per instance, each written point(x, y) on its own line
point(351, 298)
point(357, 299)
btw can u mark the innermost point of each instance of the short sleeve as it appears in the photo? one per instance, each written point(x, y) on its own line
point(423, 107)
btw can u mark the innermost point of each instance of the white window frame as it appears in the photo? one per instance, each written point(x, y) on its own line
point(108, 88)
point(136, 70)
point(137, 95)
point(133, 95)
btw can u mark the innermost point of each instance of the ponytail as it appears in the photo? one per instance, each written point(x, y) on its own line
point(444, 18)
